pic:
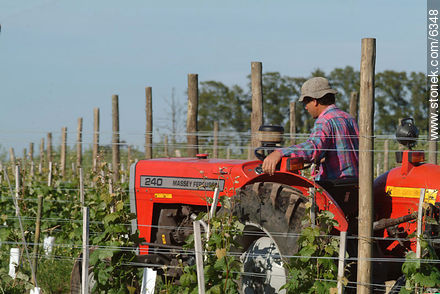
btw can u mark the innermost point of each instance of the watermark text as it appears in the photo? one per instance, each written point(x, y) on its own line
point(433, 68)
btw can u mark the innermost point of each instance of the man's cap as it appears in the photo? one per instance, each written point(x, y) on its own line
point(316, 88)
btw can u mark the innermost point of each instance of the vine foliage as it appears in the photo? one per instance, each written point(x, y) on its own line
point(306, 273)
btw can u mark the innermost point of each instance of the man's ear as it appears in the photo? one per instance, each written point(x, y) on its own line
point(315, 102)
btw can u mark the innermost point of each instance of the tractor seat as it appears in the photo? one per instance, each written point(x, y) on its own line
point(345, 182)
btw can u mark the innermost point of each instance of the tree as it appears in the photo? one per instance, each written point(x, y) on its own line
point(398, 95)
point(278, 91)
point(346, 81)
point(391, 100)
point(177, 113)
point(228, 106)
point(418, 91)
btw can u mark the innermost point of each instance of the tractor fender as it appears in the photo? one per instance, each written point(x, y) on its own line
point(323, 199)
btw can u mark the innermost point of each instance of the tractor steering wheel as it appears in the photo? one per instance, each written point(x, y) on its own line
point(260, 156)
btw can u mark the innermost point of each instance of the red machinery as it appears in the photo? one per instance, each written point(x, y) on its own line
point(397, 194)
point(163, 182)
point(167, 193)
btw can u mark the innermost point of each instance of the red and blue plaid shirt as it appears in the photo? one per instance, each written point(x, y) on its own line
point(335, 137)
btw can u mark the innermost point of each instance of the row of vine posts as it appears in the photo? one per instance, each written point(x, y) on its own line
point(117, 173)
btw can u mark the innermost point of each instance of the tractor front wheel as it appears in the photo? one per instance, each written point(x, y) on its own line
point(272, 215)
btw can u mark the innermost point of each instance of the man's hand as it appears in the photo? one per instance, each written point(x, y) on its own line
point(270, 162)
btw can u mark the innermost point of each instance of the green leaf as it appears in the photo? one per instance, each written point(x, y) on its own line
point(94, 257)
point(104, 254)
point(185, 280)
point(410, 266)
point(103, 276)
point(216, 239)
point(98, 239)
point(214, 290)
point(329, 250)
point(308, 251)
point(110, 217)
point(119, 205)
point(22, 276)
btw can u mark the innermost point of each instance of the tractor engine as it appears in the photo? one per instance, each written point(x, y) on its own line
point(166, 194)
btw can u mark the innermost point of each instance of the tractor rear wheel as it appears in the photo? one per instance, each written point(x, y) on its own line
point(76, 276)
point(272, 215)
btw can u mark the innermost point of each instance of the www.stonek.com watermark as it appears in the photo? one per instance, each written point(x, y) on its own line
point(433, 67)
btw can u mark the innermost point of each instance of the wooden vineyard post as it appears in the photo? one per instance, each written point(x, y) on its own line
point(31, 151)
point(37, 235)
point(199, 257)
point(149, 124)
point(191, 122)
point(215, 147)
point(257, 102)
point(379, 159)
point(110, 191)
point(95, 138)
point(85, 253)
point(63, 151)
point(12, 156)
point(49, 147)
point(73, 169)
point(128, 156)
point(353, 104)
point(49, 177)
point(385, 155)
point(32, 171)
point(115, 140)
point(81, 186)
point(31, 158)
point(366, 162)
point(165, 146)
point(79, 143)
point(292, 123)
point(148, 285)
point(432, 146)
point(341, 260)
point(24, 157)
point(40, 166)
point(17, 183)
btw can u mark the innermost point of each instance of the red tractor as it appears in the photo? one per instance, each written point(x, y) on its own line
point(167, 193)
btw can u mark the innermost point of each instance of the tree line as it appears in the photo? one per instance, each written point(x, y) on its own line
point(397, 95)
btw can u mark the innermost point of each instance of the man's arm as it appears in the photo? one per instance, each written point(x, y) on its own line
point(271, 161)
point(312, 150)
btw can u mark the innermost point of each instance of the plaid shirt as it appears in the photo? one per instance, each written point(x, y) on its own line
point(335, 137)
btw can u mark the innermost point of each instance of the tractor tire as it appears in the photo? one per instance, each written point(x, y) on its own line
point(76, 276)
point(272, 214)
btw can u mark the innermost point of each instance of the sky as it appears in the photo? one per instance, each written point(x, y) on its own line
point(61, 59)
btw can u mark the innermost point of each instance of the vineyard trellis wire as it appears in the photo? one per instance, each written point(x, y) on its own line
point(115, 197)
point(57, 195)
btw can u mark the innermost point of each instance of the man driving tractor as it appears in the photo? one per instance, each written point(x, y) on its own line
point(333, 144)
point(335, 135)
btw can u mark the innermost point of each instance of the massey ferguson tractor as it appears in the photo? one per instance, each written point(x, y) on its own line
point(168, 193)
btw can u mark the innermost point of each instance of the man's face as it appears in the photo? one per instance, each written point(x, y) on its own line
point(311, 105)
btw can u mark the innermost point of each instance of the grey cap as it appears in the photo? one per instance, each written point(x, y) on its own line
point(316, 88)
